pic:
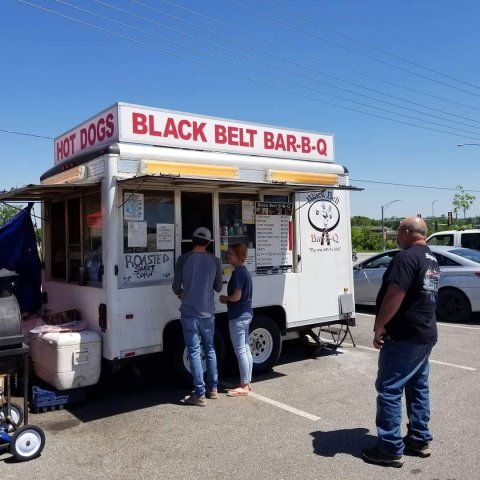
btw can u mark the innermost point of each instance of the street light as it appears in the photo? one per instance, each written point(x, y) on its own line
point(384, 207)
point(463, 144)
point(433, 211)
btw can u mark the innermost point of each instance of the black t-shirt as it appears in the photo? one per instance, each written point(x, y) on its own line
point(415, 271)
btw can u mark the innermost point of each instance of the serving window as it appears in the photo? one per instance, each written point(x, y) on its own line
point(237, 225)
point(75, 229)
point(148, 236)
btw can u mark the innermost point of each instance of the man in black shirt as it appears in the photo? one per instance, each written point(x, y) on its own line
point(405, 333)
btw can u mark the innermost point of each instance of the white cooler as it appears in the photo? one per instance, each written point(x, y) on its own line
point(67, 359)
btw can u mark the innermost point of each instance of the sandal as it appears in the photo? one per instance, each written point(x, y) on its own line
point(238, 392)
point(247, 387)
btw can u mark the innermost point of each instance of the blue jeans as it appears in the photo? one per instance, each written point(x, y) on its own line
point(194, 330)
point(239, 333)
point(402, 366)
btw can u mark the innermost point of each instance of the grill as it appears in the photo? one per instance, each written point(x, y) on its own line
point(10, 321)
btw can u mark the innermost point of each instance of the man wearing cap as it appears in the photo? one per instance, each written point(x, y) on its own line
point(197, 274)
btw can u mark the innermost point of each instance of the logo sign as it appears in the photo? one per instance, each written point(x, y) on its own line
point(323, 215)
point(182, 130)
point(152, 126)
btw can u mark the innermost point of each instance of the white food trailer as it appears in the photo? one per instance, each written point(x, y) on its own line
point(130, 185)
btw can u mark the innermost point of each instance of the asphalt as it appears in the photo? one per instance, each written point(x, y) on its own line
point(308, 419)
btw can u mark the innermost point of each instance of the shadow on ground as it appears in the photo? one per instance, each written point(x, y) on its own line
point(349, 441)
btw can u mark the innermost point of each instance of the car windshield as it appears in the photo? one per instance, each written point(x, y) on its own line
point(467, 253)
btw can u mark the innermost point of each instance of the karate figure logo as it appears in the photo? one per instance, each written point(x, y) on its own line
point(324, 216)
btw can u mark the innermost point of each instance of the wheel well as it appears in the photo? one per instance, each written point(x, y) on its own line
point(171, 330)
point(276, 313)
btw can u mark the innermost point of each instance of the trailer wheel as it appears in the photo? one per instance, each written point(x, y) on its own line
point(265, 343)
point(15, 414)
point(27, 443)
point(180, 366)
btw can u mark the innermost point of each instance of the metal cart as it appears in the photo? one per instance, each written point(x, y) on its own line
point(24, 442)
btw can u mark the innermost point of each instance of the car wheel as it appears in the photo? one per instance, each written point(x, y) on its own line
point(453, 305)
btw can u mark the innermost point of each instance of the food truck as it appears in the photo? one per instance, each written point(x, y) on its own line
point(130, 185)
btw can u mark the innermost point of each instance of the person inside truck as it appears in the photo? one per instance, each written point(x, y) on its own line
point(240, 313)
point(197, 274)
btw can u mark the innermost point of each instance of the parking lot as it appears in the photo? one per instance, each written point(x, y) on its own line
point(308, 419)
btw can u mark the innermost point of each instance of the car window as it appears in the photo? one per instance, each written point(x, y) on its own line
point(380, 262)
point(444, 261)
point(446, 239)
point(472, 255)
point(470, 240)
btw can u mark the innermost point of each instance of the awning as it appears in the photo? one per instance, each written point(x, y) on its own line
point(142, 181)
point(38, 193)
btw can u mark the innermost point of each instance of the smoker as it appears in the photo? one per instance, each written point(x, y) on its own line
point(24, 442)
point(10, 320)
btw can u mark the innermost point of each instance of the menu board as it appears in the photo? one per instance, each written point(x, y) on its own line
point(273, 237)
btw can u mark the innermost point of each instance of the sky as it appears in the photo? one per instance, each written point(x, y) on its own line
point(396, 83)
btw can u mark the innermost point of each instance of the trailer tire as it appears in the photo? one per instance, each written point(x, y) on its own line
point(179, 365)
point(265, 343)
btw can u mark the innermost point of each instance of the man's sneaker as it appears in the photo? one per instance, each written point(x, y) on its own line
point(416, 448)
point(197, 400)
point(376, 456)
point(212, 394)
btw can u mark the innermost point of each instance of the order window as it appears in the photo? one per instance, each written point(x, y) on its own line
point(237, 225)
point(148, 237)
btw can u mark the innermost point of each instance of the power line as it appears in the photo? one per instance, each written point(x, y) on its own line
point(295, 84)
point(411, 186)
point(248, 78)
point(351, 49)
point(275, 66)
point(290, 48)
point(373, 47)
point(26, 134)
point(288, 61)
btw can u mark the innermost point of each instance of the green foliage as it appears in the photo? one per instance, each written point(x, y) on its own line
point(6, 213)
point(364, 239)
point(462, 200)
point(359, 221)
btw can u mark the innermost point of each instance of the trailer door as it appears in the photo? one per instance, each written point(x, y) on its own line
point(324, 246)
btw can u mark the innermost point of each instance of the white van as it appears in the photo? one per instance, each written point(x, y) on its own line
point(456, 238)
point(130, 185)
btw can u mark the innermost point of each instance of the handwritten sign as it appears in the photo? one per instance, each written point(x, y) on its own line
point(148, 267)
point(165, 236)
point(137, 234)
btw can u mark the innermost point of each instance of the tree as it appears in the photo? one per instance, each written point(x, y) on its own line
point(6, 213)
point(462, 200)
